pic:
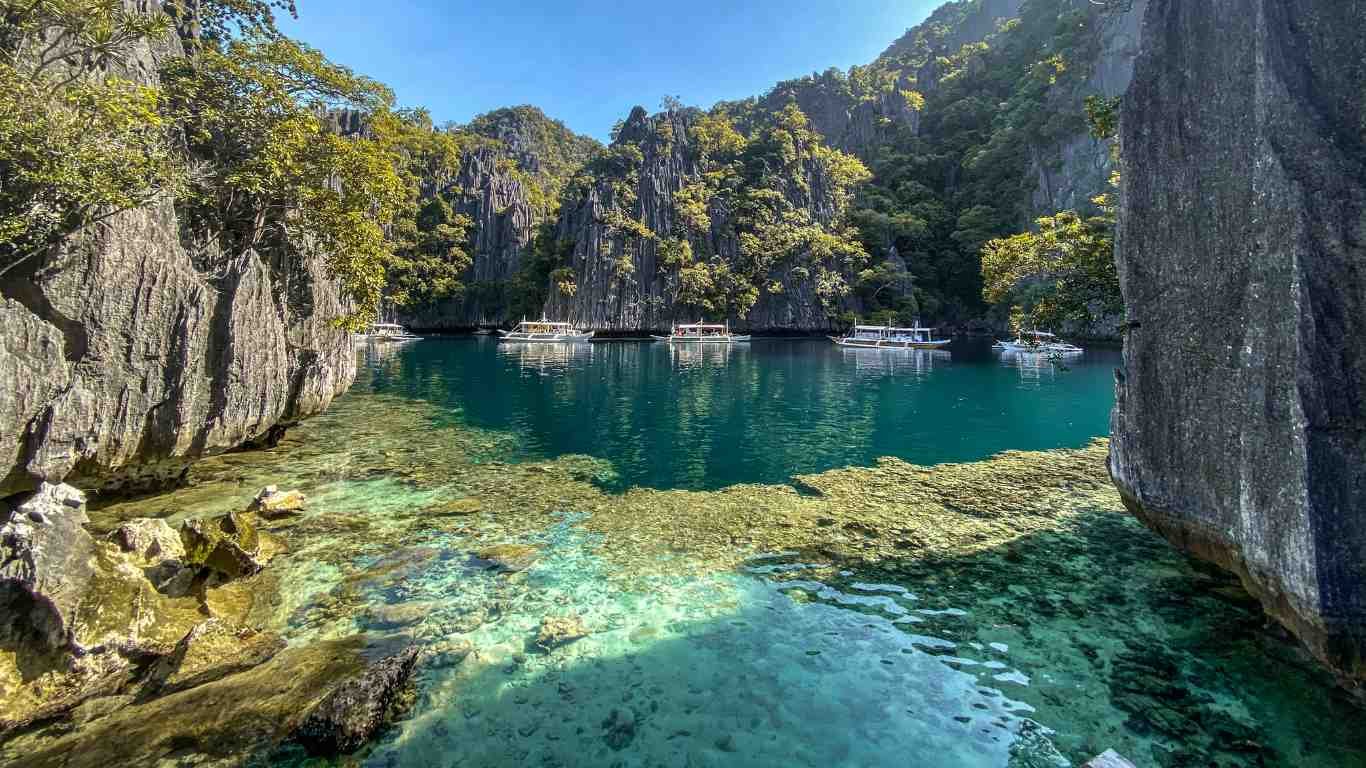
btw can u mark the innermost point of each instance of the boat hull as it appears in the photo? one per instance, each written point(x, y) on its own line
point(544, 338)
point(890, 343)
point(702, 340)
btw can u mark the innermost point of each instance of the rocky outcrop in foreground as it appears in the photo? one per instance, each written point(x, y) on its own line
point(1239, 432)
point(123, 355)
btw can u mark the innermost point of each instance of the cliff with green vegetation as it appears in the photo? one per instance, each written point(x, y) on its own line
point(179, 275)
point(1239, 430)
point(973, 125)
point(501, 201)
point(693, 214)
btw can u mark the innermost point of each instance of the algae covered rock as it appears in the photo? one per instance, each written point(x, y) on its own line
point(271, 503)
point(357, 708)
point(457, 507)
point(228, 545)
point(45, 561)
point(152, 539)
point(557, 631)
point(211, 650)
point(510, 558)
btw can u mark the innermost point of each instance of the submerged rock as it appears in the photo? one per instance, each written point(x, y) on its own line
point(1109, 759)
point(357, 708)
point(45, 555)
point(510, 558)
point(457, 507)
point(1239, 428)
point(272, 503)
point(152, 539)
point(557, 631)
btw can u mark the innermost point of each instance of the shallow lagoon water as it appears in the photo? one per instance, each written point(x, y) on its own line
point(998, 613)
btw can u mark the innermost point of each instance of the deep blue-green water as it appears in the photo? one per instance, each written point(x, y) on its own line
point(678, 417)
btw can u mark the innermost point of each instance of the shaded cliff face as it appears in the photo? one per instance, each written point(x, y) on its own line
point(503, 221)
point(122, 357)
point(626, 222)
point(1239, 430)
point(509, 185)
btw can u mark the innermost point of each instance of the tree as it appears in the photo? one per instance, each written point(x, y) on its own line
point(1063, 273)
point(268, 171)
point(78, 143)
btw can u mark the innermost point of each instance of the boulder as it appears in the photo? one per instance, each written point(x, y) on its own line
point(273, 503)
point(510, 558)
point(152, 539)
point(558, 631)
point(45, 562)
point(228, 545)
point(356, 709)
point(1239, 428)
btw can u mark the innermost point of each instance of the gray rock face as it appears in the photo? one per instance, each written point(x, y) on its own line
point(503, 221)
point(647, 297)
point(45, 564)
point(1072, 172)
point(356, 709)
point(123, 356)
point(1239, 431)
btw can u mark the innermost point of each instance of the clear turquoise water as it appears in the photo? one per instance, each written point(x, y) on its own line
point(1061, 639)
point(677, 417)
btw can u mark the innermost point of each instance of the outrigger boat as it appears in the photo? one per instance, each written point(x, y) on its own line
point(702, 333)
point(1038, 342)
point(387, 332)
point(545, 331)
point(890, 337)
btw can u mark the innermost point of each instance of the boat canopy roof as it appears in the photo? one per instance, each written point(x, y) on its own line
point(890, 329)
point(1039, 334)
point(702, 326)
point(386, 325)
point(541, 324)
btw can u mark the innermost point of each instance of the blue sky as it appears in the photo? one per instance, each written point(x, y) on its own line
point(587, 63)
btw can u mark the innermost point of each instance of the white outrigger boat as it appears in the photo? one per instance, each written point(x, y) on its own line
point(1039, 342)
point(545, 331)
point(701, 333)
point(387, 332)
point(889, 337)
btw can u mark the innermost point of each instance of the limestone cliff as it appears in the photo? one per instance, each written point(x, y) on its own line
point(1239, 431)
point(625, 216)
point(509, 185)
point(123, 355)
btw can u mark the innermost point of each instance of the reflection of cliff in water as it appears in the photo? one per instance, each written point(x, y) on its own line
point(888, 362)
point(547, 357)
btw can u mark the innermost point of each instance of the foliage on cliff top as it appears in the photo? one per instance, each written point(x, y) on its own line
point(763, 187)
point(234, 130)
point(78, 142)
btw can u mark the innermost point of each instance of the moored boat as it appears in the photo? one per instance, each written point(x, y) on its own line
point(702, 333)
point(387, 332)
point(890, 337)
point(545, 331)
point(1038, 342)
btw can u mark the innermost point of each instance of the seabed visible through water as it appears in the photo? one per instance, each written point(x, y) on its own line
point(1004, 612)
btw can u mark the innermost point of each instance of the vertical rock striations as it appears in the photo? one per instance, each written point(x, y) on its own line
point(123, 355)
point(1240, 422)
